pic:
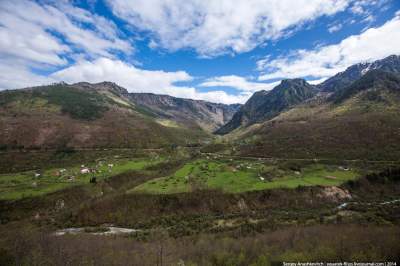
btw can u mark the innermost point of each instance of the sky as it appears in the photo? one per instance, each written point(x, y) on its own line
point(215, 50)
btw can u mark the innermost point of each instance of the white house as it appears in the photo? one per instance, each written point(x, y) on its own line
point(85, 171)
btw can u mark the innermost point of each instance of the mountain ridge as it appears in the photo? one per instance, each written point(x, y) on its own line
point(266, 104)
point(354, 72)
point(85, 115)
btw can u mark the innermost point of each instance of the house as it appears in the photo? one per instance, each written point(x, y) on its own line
point(344, 168)
point(261, 178)
point(85, 170)
point(37, 175)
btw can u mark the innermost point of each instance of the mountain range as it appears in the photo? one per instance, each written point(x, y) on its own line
point(264, 105)
point(354, 120)
point(85, 115)
point(352, 114)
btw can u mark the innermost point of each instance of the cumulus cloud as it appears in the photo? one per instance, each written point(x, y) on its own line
point(239, 83)
point(40, 33)
point(139, 80)
point(325, 61)
point(214, 27)
point(49, 36)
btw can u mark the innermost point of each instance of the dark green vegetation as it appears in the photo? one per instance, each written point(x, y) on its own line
point(79, 104)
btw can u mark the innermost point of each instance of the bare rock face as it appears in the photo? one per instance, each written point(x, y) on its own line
point(334, 194)
point(206, 115)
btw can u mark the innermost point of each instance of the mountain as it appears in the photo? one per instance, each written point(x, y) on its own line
point(167, 109)
point(101, 115)
point(373, 82)
point(359, 121)
point(264, 105)
point(354, 72)
point(208, 116)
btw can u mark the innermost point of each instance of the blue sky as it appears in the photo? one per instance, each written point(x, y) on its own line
point(216, 50)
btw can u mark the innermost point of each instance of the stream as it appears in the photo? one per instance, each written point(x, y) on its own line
point(110, 230)
point(345, 204)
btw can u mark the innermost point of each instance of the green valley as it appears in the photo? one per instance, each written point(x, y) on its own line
point(237, 176)
point(98, 174)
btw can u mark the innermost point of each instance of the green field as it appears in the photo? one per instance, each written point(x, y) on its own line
point(25, 184)
point(235, 176)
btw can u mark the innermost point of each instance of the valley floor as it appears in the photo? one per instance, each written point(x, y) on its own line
point(184, 207)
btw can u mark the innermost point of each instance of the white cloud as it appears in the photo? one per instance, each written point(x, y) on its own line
point(214, 27)
point(335, 27)
point(15, 75)
point(128, 76)
point(362, 7)
point(38, 32)
point(325, 61)
point(46, 37)
point(317, 81)
point(238, 83)
point(139, 80)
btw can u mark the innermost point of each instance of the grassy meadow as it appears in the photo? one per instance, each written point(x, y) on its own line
point(236, 176)
point(25, 184)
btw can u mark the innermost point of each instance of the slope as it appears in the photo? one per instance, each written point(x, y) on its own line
point(267, 104)
point(81, 115)
point(360, 121)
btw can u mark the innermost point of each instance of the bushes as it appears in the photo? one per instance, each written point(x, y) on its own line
point(316, 243)
point(390, 174)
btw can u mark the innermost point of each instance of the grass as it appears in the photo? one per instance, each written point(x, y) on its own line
point(25, 184)
point(241, 176)
point(167, 123)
